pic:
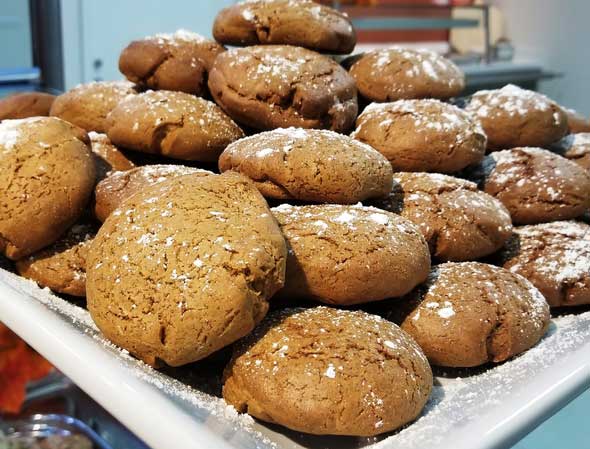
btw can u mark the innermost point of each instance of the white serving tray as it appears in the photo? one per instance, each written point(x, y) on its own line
point(490, 409)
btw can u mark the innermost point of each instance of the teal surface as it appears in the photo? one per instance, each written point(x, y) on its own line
point(568, 429)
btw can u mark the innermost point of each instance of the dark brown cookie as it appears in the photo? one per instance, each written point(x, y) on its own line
point(179, 61)
point(310, 165)
point(535, 185)
point(576, 122)
point(47, 178)
point(303, 23)
point(458, 221)
point(117, 187)
point(350, 254)
point(402, 73)
point(555, 257)
point(62, 266)
point(107, 156)
point(27, 104)
point(471, 313)
point(328, 371)
point(575, 147)
point(273, 86)
point(515, 117)
point(422, 135)
point(173, 124)
point(88, 105)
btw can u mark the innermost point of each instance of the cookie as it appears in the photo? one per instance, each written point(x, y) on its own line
point(172, 124)
point(48, 175)
point(535, 185)
point(472, 313)
point(555, 257)
point(119, 186)
point(62, 265)
point(422, 135)
point(27, 104)
point(185, 268)
point(179, 61)
point(350, 254)
point(278, 86)
point(458, 221)
point(310, 165)
point(515, 117)
point(402, 73)
point(575, 147)
point(107, 156)
point(328, 371)
point(303, 23)
point(576, 122)
point(87, 105)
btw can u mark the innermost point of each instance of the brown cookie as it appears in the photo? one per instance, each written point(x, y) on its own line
point(555, 257)
point(27, 104)
point(47, 178)
point(575, 147)
point(535, 185)
point(328, 371)
point(179, 61)
point(87, 105)
point(119, 186)
point(303, 23)
point(472, 313)
point(402, 73)
point(310, 165)
point(458, 221)
point(422, 135)
point(515, 117)
point(62, 265)
point(350, 254)
point(274, 86)
point(173, 124)
point(576, 122)
point(185, 268)
point(107, 156)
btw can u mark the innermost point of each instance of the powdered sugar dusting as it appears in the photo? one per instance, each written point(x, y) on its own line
point(510, 100)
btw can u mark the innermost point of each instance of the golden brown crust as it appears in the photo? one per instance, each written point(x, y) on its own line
point(107, 156)
point(27, 104)
point(328, 371)
point(575, 147)
point(576, 122)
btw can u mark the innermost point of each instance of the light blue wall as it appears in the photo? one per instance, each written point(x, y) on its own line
point(15, 34)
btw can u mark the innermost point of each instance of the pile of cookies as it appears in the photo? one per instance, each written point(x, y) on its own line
point(215, 184)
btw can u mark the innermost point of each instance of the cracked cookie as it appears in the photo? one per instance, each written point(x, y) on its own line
point(172, 124)
point(470, 313)
point(402, 73)
point(48, 175)
point(302, 23)
point(458, 221)
point(62, 265)
point(278, 86)
point(179, 61)
point(27, 104)
point(326, 371)
point(576, 122)
point(575, 147)
point(185, 267)
point(422, 135)
point(107, 156)
point(117, 187)
point(310, 165)
point(350, 254)
point(515, 117)
point(535, 185)
point(555, 257)
point(87, 105)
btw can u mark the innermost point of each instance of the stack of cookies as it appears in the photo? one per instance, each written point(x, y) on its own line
point(214, 185)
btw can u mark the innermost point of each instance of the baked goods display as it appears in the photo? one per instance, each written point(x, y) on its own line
point(514, 117)
point(329, 371)
point(350, 254)
point(148, 198)
point(422, 135)
point(24, 105)
point(535, 185)
point(458, 221)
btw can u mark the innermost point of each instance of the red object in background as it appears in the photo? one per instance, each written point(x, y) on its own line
point(19, 364)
